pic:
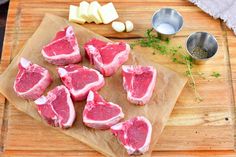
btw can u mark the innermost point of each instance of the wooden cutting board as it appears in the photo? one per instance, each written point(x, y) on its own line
point(207, 126)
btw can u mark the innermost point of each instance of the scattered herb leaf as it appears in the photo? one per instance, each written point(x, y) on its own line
point(132, 45)
point(215, 74)
point(167, 40)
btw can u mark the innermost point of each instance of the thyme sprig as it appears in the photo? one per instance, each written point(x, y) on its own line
point(152, 40)
point(215, 74)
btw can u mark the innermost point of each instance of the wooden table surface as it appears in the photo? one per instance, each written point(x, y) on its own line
point(194, 129)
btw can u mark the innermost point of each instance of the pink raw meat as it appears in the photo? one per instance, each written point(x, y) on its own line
point(139, 82)
point(134, 134)
point(100, 114)
point(31, 80)
point(57, 107)
point(80, 79)
point(63, 49)
point(107, 57)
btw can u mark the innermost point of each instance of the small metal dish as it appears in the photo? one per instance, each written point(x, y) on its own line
point(201, 46)
point(167, 22)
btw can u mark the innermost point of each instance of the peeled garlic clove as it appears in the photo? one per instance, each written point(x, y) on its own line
point(129, 26)
point(118, 26)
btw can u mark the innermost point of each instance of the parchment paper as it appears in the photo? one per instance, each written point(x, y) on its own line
point(168, 87)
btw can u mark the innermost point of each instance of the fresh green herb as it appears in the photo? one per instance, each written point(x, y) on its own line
point(132, 45)
point(174, 60)
point(153, 41)
point(215, 74)
point(167, 40)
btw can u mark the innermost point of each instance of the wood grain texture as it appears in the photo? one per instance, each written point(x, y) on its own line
point(95, 154)
point(2, 109)
point(33, 133)
point(231, 41)
point(192, 126)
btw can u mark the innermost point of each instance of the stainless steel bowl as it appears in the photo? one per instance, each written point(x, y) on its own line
point(201, 46)
point(167, 22)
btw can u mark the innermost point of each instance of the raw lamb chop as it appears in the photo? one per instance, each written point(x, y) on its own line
point(100, 114)
point(139, 82)
point(31, 80)
point(134, 134)
point(107, 57)
point(63, 49)
point(57, 107)
point(80, 79)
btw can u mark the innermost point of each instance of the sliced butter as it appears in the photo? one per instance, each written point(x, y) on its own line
point(108, 13)
point(83, 11)
point(74, 15)
point(93, 12)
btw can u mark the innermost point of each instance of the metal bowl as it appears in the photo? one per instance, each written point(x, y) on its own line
point(201, 46)
point(167, 22)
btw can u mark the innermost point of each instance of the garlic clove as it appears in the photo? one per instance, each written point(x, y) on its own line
point(129, 26)
point(118, 26)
